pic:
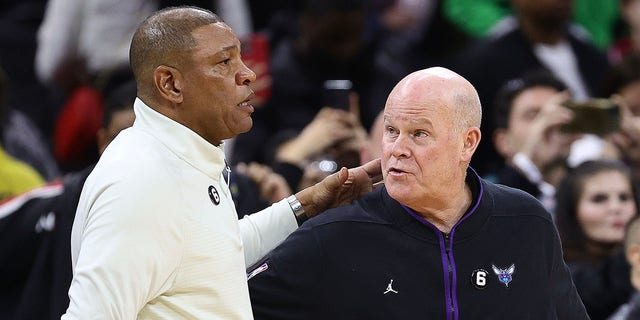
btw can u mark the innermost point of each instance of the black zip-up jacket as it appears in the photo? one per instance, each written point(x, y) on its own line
point(376, 259)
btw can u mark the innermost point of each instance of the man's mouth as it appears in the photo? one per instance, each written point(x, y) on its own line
point(246, 105)
point(396, 170)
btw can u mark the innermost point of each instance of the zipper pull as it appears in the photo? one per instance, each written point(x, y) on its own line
point(228, 169)
point(447, 241)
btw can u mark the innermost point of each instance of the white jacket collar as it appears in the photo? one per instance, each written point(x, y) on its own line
point(182, 141)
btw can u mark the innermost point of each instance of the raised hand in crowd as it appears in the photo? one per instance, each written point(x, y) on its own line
point(546, 140)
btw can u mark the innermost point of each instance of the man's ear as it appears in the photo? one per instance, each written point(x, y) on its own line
point(169, 83)
point(471, 141)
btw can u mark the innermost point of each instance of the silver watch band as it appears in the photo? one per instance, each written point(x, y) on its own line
point(298, 211)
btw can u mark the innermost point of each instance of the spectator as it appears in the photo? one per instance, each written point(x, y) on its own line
point(82, 53)
point(595, 202)
point(36, 229)
point(528, 118)
point(631, 309)
point(15, 176)
point(330, 44)
point(623, 84)
point(18, 32)
point(21, 138)
point(332, 140)
point(629, 40)
point(82, 42)
point(482, 18)
point(542, 39)
point(415, 34)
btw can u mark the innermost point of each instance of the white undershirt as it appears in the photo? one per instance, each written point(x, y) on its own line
point(562, 62)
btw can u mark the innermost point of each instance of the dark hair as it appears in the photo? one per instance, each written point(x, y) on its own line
point(511, 89)
point(574, 240)
point(622, 74)
point(165, 33)
point(120, 99)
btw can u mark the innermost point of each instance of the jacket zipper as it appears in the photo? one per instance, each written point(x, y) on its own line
point(449, 278)
point(447, 260)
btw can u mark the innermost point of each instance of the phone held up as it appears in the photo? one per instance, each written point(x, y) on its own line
point(336, 94)
point(595, 116)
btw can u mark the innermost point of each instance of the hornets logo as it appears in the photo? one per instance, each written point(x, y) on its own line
point(504, 275)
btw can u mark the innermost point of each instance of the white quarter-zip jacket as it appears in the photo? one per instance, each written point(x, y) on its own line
point(156, 234)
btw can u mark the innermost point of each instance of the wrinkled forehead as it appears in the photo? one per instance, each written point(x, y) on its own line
point(438, 88)
point(213, 39)
point(417, 107)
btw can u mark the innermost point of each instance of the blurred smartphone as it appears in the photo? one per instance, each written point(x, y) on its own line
point(255, 51)
point(336, 94)
point(596, 116)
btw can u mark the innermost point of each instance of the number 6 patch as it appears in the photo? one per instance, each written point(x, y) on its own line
point(479, 278)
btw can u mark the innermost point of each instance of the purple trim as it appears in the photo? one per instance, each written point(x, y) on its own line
point(480, 193)
point(443, 258)
point(450, 288)
point(453, 230)
point(454, 278)
point(447, 285)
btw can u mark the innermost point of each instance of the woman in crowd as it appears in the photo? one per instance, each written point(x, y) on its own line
point(595, 202)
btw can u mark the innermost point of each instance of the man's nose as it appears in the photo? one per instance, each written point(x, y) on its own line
point(245, 76)
point(399, 148)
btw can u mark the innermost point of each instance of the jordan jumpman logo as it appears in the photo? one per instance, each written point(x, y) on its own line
point(389, 288)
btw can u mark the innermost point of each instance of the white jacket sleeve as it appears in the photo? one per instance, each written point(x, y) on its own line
point(263, 231)
point(130, 248)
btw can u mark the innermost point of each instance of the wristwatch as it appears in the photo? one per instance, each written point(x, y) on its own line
point(298, 211)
